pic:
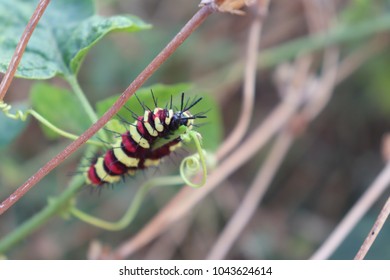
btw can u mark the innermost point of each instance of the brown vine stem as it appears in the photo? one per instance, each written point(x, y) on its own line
point(17, 56)
point(183, 34)
point(380, 221)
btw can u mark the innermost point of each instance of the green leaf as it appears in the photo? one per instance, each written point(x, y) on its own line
point(10, 128)
point(89, 32)
point(60, 107)
point(66, 32)
point(211, 130)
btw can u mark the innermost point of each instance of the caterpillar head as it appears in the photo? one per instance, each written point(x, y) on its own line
point(182, 118)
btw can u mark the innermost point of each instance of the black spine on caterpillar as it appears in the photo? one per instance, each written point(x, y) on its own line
point(134, 149)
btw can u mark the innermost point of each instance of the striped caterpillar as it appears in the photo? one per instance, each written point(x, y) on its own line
point(134, 149)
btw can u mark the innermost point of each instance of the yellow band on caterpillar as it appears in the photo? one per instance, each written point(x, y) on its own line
point(138, 138)
point(122, 157)
point(169, 117)
point(103, 175)
point(157, 122)
point(148, 126)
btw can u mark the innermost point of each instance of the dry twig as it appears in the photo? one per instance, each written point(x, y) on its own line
point(380, 221)
point(17, 56)
point(249, 83)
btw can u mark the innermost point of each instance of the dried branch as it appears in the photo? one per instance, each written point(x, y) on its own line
point(380, 221)
point(21, 46)
point(249, 82)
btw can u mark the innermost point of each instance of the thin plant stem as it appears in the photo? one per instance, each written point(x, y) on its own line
point(380, 221)
point(374, 191)
point(21, 46)
point(134, 206)
point(182, 35)
point(23, 115)
point(72, 80)
point(249, 82)
point(61, 132)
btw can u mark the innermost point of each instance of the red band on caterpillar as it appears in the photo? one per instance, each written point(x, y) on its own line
point(134, 149)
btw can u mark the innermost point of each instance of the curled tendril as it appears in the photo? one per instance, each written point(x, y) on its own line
point(194, 163)
point(15, 116)
point(20, 115)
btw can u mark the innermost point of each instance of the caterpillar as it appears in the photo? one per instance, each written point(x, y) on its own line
point(134, 150)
